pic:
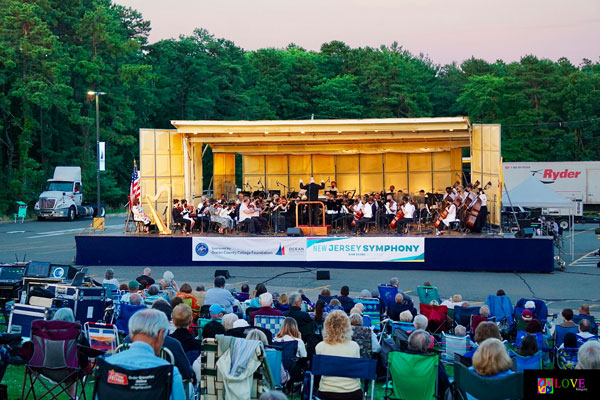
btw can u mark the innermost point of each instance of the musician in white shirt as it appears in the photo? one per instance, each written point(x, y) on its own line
point(249, 214)
point(482, 215)
point(391, 208)
point(409, 213)
point(450, 218)
point(368, 211)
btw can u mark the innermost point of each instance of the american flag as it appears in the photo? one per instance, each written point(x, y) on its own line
point(135, 190)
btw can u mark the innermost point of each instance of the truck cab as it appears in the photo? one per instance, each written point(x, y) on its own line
point(63, 197)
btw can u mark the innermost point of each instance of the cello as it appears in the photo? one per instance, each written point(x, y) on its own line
point(442, 215)
point(399, 216)
point(358, 216)
point(473, 210)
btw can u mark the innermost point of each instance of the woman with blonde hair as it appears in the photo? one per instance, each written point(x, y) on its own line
point(491, 359)
point(337, 341)
point(288, 332)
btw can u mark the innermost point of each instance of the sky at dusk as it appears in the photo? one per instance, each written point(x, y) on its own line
point(444, 30)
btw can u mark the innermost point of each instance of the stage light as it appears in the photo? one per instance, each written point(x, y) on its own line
point(231, 133)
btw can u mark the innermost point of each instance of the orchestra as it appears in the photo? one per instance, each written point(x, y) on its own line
point(462, 209)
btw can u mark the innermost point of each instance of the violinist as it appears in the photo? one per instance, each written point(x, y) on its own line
point(451, 207)
point(249, 215)
point(368, 213)
point(332, 207)
point(178, 217)
point(391, 208)
point(185, 213)
point(202, 215)
point(409, 213)
point(280, 208)
point(333, 189)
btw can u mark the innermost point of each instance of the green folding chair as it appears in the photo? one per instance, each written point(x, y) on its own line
point(414, 376)
point(427, 294)
point(482, 388)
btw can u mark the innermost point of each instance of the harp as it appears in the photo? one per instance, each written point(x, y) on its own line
point(163, 227)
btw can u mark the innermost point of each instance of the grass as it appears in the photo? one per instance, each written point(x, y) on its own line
point(13, 379)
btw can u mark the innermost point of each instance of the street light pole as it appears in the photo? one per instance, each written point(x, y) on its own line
point(96, 95)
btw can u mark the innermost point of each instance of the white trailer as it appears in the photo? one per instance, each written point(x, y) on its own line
point(573, 180)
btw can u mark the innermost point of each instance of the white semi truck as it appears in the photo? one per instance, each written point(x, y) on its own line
point(63, 197)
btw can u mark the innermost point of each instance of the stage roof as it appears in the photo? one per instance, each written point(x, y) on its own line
point(418, 134)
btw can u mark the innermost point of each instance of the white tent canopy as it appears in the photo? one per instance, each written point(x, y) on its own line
point(534, 194)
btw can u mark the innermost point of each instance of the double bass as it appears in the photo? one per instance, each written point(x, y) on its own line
point(473, 210)
point(399, 216)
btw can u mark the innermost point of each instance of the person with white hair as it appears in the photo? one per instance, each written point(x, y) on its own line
point(135, 299)
point(146, 276)
point(460, 331)
point(228, 321)
point(266, 307)
point(109, 278)
point(419, 342)
point(455, 300)
point(420, 322)
point(365, 294)
point(147, 330)
point(588, 356)
point(306, 325)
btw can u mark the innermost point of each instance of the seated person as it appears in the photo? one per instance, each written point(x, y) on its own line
point(526, 317)
point(214, 327)
point(132, 287)
point(266, 307)
point(584, 313)
point(528, 346)
point(288, 332)
point(335, 304)
point(153, 294)
point(146, 276)
point(420, 322)
point(484, 314)
point(182, 318)
point(455, 300)
point(219, 295)
point(484, 331)
point(258, 290)
point(419, 343)
point(345, 299)
point(588, 356)
point(400, 304)
point(241, 327)
point(567, 315)
point(306, 325)
point(136, 299)
point(460, 331)
point(185, 292)
point(337, 334)
point(109, 278)
point(282, 303)
point(147, 330)
point(139, 215)
point(228, 320)
point(244, 293)
point(534, 326)
point(570, 341)
point(362, 334)
point(584, 331)
point(491, 359)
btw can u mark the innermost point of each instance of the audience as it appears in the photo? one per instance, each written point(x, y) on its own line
point(491, 359)
point(420, 322)
point(460, 331)
point(219, 295)
point(345, 299)
point(282, 303)
point(153, 294)
point(588, 356)
point(484, 314)
point(244, 293)
point(168, 283)
point(175, 301)
point(363, 335)
point(109, 278)
point(288, 332)
point(147, 330)
point(258, 290)
point(533, 326)
point(528, 346)
point(266, 307)
point(419, 342)
point(214, 327)
point(455, 300)
point(406, 316)
point(132, 287)
point(135, 299)
point(182, 318)
point(185, 292)
point(306, 325)
point(256, 334)
point(584, 330)
point(337, 335)
point(567, 315)
point(146, 276)
point(228, 321)
point(526, 317)
point(401, 304)
point(570, 341)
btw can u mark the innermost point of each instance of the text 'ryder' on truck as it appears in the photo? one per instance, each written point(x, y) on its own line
point(63, 197)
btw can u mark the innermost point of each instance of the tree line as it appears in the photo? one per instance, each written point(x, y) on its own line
point(52, 53)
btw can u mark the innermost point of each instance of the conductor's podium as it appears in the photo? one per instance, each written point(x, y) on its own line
point(317, 230)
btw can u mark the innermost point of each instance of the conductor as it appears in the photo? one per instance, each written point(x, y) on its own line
point(312, 194)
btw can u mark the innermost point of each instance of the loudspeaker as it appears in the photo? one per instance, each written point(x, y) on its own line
point(524, 233)
point(294, 232)
point(222, 272)
point(323, 275)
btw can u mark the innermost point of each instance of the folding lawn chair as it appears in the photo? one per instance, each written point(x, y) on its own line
point(566, 358)
point(560, 332)
point(427, 294)
point(103, 337)
point(372, 309)
point(522, 363)
point(114, 382)
point(270, 322)
point(125, 311)
point(55, 356)
point(343, 367)
point(414, 376)
point(452, 345)
point(482, 388)
point(436, 317)
point(387, 294)
point(462, 315)
point(500, 307)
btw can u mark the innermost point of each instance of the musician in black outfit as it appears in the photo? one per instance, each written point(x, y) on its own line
point(312, 193)
point(178, 216)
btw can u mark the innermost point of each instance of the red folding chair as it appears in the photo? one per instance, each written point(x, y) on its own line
point(436, 316)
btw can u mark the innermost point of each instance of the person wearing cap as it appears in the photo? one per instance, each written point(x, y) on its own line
point(133, 287)
point(266, 307)
point(214, 327)
point(526, 317)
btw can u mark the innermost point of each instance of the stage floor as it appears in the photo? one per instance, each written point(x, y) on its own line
point(453, 252)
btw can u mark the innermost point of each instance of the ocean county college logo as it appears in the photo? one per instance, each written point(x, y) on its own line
point(201, 249)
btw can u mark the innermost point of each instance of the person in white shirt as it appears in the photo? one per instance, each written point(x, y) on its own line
point(368, 210)
point(288, 332)
point(482, 215)
point(409, 213)
point(391, 208)
point(450, 218)
point(249, 214)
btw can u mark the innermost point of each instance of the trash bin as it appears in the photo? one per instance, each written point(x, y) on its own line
point(21, 212)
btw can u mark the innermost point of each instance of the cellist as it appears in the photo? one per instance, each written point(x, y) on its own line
point(451, 217)
point(391, 207)
point(409, 212)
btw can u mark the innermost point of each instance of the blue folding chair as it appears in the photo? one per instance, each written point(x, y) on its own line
point(500, 307)
point(462, 315)
point(405, 326)
point(125, 312)
point(110, 290)
point(560, 332)
point(342, 367)
point(372, 309)
point(540, 312)
point(582, 340)
point(522, 363)
point(387, 294)
point(539, 338)
point(566, 358)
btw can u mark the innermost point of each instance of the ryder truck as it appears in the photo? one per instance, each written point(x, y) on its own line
point(63, 197)
point(578, 181)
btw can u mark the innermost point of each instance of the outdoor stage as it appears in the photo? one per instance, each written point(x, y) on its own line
point(450, 253)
